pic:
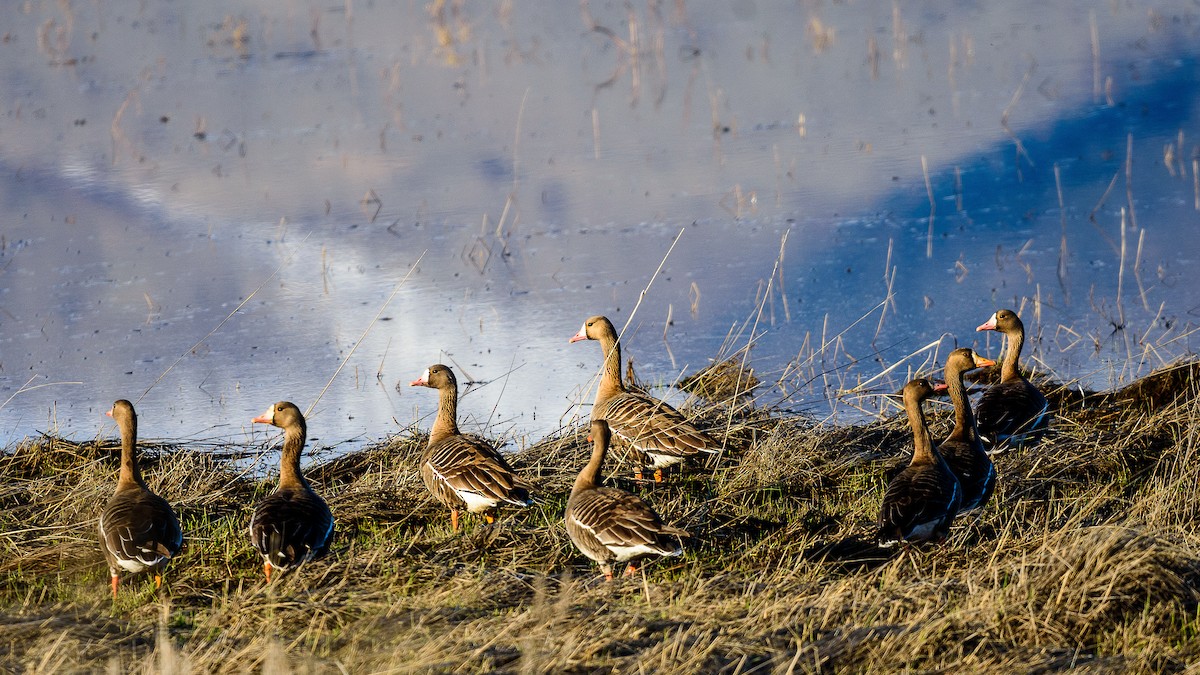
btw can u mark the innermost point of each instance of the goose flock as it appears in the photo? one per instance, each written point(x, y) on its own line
point(139, 532)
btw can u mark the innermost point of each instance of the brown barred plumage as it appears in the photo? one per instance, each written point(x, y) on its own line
point(611, 525)
point(463, 472)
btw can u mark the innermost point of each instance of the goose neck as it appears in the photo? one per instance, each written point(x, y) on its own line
point(446, 423)
point(922, 443)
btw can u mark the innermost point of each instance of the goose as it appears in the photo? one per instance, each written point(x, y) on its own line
point(292, 525)
point(463, 472)
point(138, 530)
point(1012, 412)
point(922, 500)
point(610, 525)
point(963, 450)
point(659, 434)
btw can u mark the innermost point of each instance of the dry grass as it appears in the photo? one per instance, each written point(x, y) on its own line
point(1088, 558)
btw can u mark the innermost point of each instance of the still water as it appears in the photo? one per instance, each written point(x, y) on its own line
point(208, 207)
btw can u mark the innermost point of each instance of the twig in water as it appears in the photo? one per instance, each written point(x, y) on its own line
point(1062, 246)
point(787, 311)
point(889, 280)
point(379, 373)
point(25, 388)
point(1095, 56)
point(932, 345)
point(1121, 276)
point(1129, 180)
point(503, 386)
point(1137, 270)
point(368, 199)
point(1008, 111)
point(666, 327)
point(1099, 204)
point(1196, 184)
point(932, 208)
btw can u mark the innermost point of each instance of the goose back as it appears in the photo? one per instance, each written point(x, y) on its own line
point(462, 472)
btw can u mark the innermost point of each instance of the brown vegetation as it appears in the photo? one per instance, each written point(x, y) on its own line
point(1088, 557)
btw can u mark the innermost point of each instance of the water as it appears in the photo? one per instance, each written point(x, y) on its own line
point(164, 163)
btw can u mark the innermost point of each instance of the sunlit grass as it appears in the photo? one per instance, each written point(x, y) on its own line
point(1087, 556)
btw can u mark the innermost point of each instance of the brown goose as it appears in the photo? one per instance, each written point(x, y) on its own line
point(922, 500)
point(656, 431)
point(611, 525)
point(138, 530)
point(292, 525)
point(1012, 412)
point(963, 450)
point(462, 472)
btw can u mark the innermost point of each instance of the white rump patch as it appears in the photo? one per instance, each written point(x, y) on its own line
point(476, 502)
point(624, 553)
point(658, 461)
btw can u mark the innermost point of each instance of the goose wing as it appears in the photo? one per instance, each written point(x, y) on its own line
point(461, 470)
point(1010, 408)
point(609, 524)
point(974, 469)
point(920, 501)
point(139, 530)
point(291, 526)
point(655, 427)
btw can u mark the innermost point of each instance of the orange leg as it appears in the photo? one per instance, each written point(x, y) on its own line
point(630, 570)
point(637, 474)
point(489, 518)
point(115, 581)
point(658, 477)
point(454, 519)
point(158, 581)
point(267, 571)
point(607, 572)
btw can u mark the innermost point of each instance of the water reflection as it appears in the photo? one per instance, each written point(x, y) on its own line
point(162, 165)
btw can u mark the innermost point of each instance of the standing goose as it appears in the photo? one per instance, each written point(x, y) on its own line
point(659, 434)
point(292, 525)
point(611, 525)
point(963, 449)
point(922, 500)
point(461, 472)
point(1013, 410)
point(138, 529)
